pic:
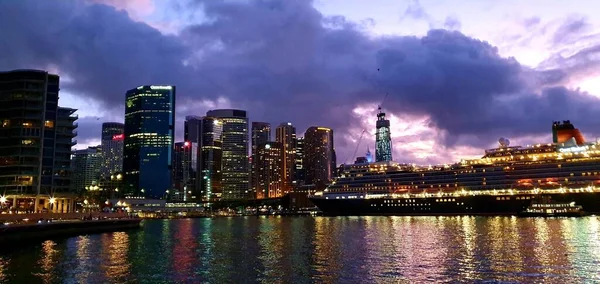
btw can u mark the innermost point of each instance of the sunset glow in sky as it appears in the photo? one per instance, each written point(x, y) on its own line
point(459, 74)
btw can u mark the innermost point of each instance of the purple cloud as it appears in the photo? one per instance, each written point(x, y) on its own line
point(285, 61)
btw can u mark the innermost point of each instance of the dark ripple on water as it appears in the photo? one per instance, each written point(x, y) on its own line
point(320, 250)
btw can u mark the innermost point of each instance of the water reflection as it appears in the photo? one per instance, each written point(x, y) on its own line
point(323, 250)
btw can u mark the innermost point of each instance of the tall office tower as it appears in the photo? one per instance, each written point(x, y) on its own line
point(286, 135)
point(36, 137)
point(383, 140)
point(235, 152)
point(184, 171)
point(319, 156)
point(300, 172)
point(261, 133)
point(112, 148)
point(86, 166)
point(210, 161)
point(191, 128)
point(269, 160)
point(149, 131)
point(191, 134)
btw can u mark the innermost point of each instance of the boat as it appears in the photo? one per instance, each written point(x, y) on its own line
point(506, 180)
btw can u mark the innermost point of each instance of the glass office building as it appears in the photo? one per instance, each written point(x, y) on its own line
point(235, 167)
point(149, 135)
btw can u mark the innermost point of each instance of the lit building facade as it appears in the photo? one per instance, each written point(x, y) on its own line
point(235, 165)
point(383, 139)
point(210, 161)
point(36, 137)
point(286, 136)
point(86, 166)
point(261, 133)
point(112, 148)
point(319, 156)
point(270, 182)
point(149, 131)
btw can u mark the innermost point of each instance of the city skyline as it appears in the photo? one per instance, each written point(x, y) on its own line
point(529, 55)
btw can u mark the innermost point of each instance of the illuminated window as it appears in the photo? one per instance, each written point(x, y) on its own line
point(49, 123)
point(25, 180)
point(27, 124)
point(6, 123)
point(27, 142)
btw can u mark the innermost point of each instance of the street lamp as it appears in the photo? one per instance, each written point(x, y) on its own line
point(2, 199)
point(52, 200)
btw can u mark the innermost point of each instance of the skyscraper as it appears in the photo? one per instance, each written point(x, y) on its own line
point(86, 166)
point(210, 160)
point(235, 152)
point(319, 156)
point(191, 128)
point(383, 140)
point(36, 138)
point(112, 148)
point(286, 136)
point(261, 133)
point(149, 130)
point(192, 135)
point(269, 172)
point(184, 171)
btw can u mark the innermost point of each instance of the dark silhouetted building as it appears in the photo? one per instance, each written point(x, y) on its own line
point(319, 156)
point(112, 148)
point(191, 128)
point(235, 166)
point(270, 174)
point(149, 131)
point(261, 133)
point(184, 171)
point(36, 137)
point(210, 161)
point(383, 139)
point(286, 136)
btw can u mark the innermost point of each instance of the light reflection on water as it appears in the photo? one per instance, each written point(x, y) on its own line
point(324, 250)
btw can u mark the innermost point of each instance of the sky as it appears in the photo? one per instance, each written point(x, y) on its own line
point(458, 74)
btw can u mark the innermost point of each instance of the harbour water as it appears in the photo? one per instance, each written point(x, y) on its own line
point(319, 249)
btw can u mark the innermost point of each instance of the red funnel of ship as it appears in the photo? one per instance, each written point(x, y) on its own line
point(565, 131)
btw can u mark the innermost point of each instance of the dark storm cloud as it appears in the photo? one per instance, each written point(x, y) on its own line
point(285, 61)
point(89, 130)
point(102, 49)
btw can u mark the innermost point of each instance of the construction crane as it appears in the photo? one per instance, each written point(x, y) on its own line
point(364, 130)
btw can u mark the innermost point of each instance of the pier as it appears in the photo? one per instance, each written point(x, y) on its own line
point(23, 227)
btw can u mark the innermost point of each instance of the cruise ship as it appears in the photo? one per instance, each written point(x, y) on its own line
point(505, 181)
